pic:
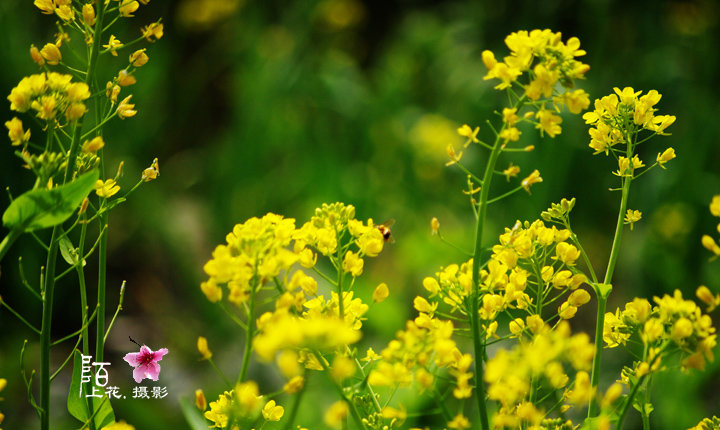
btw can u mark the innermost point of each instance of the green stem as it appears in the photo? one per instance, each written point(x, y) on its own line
point(602, 302)
point(8, 241)
point(248, 336)
point(83, 291)
point(353, 409)
point(628, 402)
point(478, 341)
point(295, 407)
point(102, 282)
point(49, 285)
point(602, 295)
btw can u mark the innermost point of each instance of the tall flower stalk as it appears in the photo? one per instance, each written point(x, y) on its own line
point(68, 167)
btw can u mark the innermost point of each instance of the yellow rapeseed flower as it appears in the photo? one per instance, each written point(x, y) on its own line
point(126, 109)
point(107, 188)
point(381, 293)
point(200, 401)
point(272, 412)
point(202, 347)
point(16, 133)
point(532, 179)
point(51, 53)
point(127, 7)
point(88, 13)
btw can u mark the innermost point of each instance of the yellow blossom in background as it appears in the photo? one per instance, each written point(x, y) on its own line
point(342, 368)
point(459, 422)
point(510, 134)
point(666, 156)
point(511, 171)
point(125, 79)
point(113, 45)
point(712, 300)
point(353, 264)
point(548, 122)
point(381, 293)
point(88, 13)
point(336, 414)
point(127, 7)
point(469, 133)
point(200, 401)
point(203, 349)
point(107, 188)
point(532, 179)
point(153, 31)
point(710, 244)
point(139, 58)
point(93, 145)
point(46, 6)
point(152, 172)
point(36, 56)
point(632, 216)
point(16, 133)
point(272, 412)
point(65, 12)
point(715, 206)
point(294, 385)
point(51, 53)
point(126, 109)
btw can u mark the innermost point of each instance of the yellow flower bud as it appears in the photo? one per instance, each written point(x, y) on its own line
point(125, 109)
point(294, 385)
point(434, 225)
point(106, 188)
point(203, 349)
point(125, 79)
point(567, 311)
point(666, 156)
point(488, 58)
point(578, 298)
point(36, 56)
point(381, 293)
point(51, 53)
point(139, 58)
point(200, 401)
point(272, 412)
point(88, 13)
point(682, 328)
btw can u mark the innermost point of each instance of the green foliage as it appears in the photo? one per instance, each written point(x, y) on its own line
point(42, 208)
point(77, 405)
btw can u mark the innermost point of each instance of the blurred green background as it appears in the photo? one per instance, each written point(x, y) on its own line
point(257, 106)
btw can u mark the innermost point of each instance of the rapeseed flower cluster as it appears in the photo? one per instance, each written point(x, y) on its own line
point(547, 61)
point(707, 241)
point(240, 408)
point(673, 324)
point(255, 253)
point(534, 368)
point(619, 118)
point(50, 96)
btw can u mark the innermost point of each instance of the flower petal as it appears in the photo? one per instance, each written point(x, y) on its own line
point(133, 358)
point(152, 370)
point(159, 354)
point(139, 374)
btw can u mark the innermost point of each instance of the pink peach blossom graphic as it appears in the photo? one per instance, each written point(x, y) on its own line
point(145, 363)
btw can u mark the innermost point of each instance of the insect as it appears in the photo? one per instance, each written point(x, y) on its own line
point(385, 230)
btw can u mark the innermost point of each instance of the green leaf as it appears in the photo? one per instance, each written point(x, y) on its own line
point(68, 251)
point(43, 208)
point(193, 416)
point(77, 402)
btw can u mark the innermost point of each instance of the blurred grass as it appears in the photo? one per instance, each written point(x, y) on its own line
point(280, 107)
